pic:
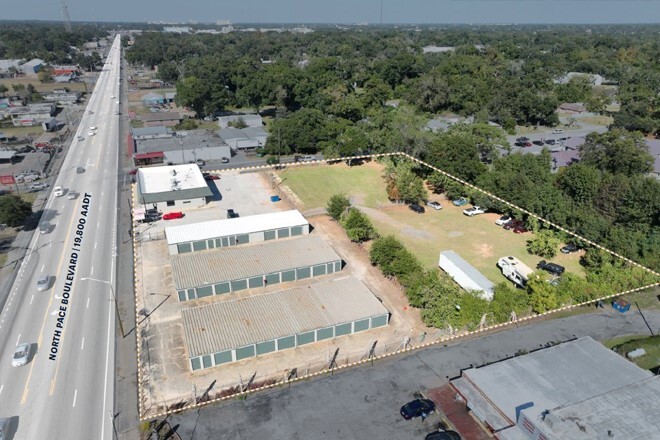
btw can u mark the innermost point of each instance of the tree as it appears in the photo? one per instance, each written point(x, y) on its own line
point(409, 186)
point(617, 151)
point(192, 92)
point(507, 300)
point(3, 89)
point(337, 205)
point(456, 154)
point(580, 182)
point(358, 226)
point(187, 124)
point(14, 210)
point(238, 123)
point(45, 75)
point(544, 244)
point(543, 295)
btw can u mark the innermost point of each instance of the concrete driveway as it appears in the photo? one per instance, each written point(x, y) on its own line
point(364, 402)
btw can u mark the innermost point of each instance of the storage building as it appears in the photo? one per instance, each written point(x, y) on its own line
point(228, 331)
point(576, 390)
point(466, 275)
point(230, 269)
point(230, 232)
point(180, 186)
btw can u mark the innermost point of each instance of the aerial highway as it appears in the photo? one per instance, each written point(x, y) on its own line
point(65, 390)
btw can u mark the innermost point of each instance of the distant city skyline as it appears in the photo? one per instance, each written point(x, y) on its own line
point(348, 11)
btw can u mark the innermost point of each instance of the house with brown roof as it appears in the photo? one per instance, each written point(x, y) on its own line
point(163, 119)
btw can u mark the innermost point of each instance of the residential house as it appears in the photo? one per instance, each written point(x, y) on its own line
point(244, 139)
point(152, 98)
point(32, 114)
point(32, 67)
point(596, 80)
point(165, 119)
point(565, 158)
point(249, 120)
point(170, 96)
point(572, 107)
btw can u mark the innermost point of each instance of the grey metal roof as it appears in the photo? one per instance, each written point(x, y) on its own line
point(7, 154)
point(236, 263)
point(161, 116)
point(184, 194)
point(172, 143)
point(555, 377)
point(469, 270)
point(150, 131)
point(231, 324)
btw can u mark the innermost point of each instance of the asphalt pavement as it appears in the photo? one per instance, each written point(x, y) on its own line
point(364, 403)
point(66, 389)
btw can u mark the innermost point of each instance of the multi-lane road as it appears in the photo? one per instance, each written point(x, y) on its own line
point(66, 390)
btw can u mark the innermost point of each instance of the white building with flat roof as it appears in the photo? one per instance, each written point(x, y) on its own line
point(181, 186)
point(233, 231)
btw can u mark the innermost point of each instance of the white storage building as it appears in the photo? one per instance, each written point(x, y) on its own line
point(466, 275)
point(178, 186)
point(230, 232)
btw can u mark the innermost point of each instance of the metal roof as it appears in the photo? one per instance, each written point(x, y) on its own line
point(486, 285)
point(203, 268)
point(7, 154)
point(157, 184)
point(231, 324)
point(555, 377)
point(151, 131)
point(161, 116)
point(234, 226)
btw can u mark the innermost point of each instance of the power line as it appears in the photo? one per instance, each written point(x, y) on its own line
point(65, 15)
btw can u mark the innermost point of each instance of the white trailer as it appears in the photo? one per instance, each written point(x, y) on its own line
point(466, 275)
point(515, 270)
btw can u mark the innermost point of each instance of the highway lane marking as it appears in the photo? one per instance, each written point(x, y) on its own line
point(43, 267)
point(92, 271)
point(18, 339)
point(43, 324)
point(31, 299)
point(88, 303)
point(94, 245)
point(75, 396)
point(1, 387)
point(82, 346)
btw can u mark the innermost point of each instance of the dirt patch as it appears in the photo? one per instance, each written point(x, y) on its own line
point(404, 228)
point(454, 234)
point(484, 250)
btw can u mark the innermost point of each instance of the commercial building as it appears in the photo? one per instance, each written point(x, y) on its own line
point(32, 67)
point(183, 146)
point(575, 390)
point(230, 232)
point(32, 114)
point(229, 331)
point(63, 98)
point(164, 119)
point(466, 275)
point(245, 138)
point(151, 133)
point(230, 269)
point(181, 186)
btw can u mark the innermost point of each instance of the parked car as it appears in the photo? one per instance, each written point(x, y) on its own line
point(173, 215)
point(522, 139)
point(475, 210)
point(232, 214)
point(308, 158)
point(58, 191)
point(224, 160)
point(43, 282)
point(21, 355)
point(539, 143)
point(550, 141)
point(416, 208)
point(520, 228)
point(512, 224)
point(200, 162)
point(569, 248)
point(80, 170)
point(503, 220)
point(557, 131)
point(38, 186)
point(552, 268)
point(416, 408)
point(72, 195)
point(435, 205)
point(443, 435)
point(527, 144)
point(460, 201)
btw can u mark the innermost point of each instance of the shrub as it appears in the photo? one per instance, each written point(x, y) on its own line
point(358, 226)
point(337, 205)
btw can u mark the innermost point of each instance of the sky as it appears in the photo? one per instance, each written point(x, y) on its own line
point(344, 11)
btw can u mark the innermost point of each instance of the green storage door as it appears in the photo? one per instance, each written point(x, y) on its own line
point(305, 338)
point(265, 347)
point(196, 363)
point(289, 275)
point(359, 326)
point(184, 248)
point(269, 235)
point(302, 273)
point(242, 239)
point(199, 245)
point(378, 321)
point(256, 282)
point(343, 329)
point(325, 333)
point(244, 352)
point(222, 288)
point(287, 342)
point(283, 233)
point(222, 357)
point(238, 285)
point(273, 278)
point(318, 270)
point(206, 361)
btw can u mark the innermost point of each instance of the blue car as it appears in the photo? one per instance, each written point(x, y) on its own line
point(460, 202)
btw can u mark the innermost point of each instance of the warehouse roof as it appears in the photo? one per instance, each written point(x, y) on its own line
point(191, 140)
point(151, 131)
point(231, 324)
point(239, 262)
point(486, 285)
point(552, 378)
point(176, 182)
point(249, 120)
point(161, 116)
point(234, 226)
point(7, 154)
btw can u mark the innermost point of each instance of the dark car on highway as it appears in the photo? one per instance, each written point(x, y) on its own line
point(232, 214)
point(416, 408)
point(552, 268)
point(418, 209)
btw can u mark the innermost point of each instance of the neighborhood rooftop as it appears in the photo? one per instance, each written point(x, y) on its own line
point(160, 179)
point(241, 262)
point(229, 324)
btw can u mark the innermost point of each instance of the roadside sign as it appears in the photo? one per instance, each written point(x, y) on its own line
point(7, 180)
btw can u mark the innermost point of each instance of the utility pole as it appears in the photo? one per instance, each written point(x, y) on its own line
point(65, 16)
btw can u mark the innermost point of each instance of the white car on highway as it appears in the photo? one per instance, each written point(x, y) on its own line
point(473, 211)
point(91, 133)
point(58, 191)
point(93, 128)
point(21, 355)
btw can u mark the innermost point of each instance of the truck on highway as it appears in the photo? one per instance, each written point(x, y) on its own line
point(515, 270)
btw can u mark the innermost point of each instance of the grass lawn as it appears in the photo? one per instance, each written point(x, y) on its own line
point(42, 88)
point(23, 131)
point(478, 240)
point(651, 344)
point(314, 185)
point(597, 120)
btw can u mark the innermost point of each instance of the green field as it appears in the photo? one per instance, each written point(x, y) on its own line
point(478, 240)
point(626, 344)
point(314, 185)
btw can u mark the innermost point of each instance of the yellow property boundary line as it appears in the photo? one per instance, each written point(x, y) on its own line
point(456, 337)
